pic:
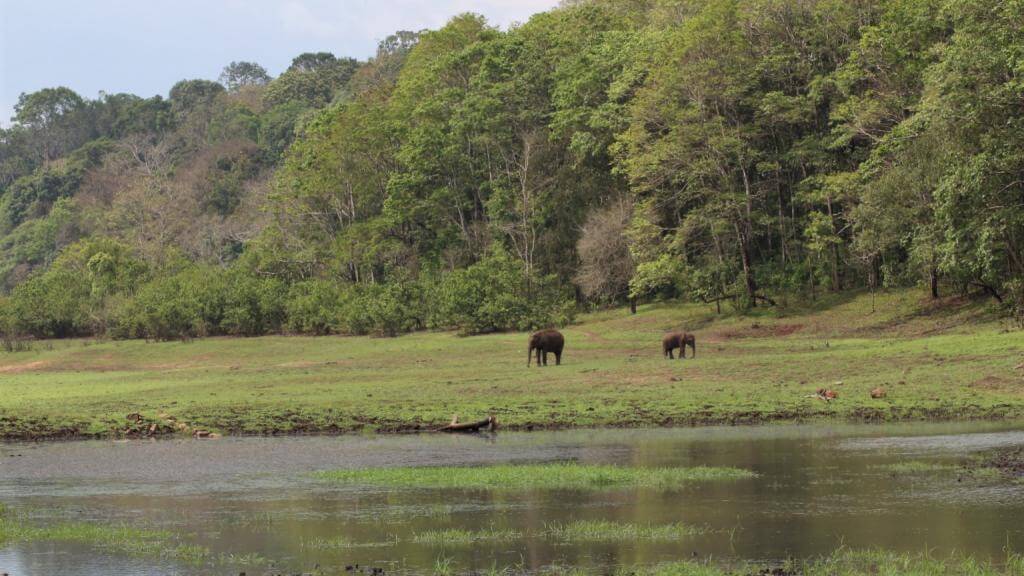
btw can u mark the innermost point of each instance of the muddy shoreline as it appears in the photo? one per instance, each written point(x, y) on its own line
point(141, 427)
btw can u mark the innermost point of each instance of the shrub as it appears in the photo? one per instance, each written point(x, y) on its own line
point(168, 307)
point(314, 307)
point(51, 305)
point(497, 294)
point(252, 305)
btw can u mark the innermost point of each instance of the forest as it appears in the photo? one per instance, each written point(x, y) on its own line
point(741, 153)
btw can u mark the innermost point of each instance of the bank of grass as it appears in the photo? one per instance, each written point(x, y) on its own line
point(551, 476)
point(121, 539)
point(944, 360)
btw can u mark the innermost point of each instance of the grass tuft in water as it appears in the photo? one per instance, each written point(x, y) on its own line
point(343, 543)
point(458, 537)
point(915, 467)
point(122, 539)
point(606, 531)
point(558, 476)
point(845, 563)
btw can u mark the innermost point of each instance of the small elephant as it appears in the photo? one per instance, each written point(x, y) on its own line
point(680, 340)
point(543, 342)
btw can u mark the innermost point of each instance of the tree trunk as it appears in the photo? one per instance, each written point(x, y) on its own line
point(836, 286)
point(748, 274)
point(934, 277)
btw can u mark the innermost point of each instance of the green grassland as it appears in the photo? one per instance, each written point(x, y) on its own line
point(950, 359)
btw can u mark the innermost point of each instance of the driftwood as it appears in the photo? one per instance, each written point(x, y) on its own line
point(455, 426)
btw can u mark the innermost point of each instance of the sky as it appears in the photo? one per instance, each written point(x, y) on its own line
point(145, 46)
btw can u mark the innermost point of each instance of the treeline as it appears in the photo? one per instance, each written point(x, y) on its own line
point(717, 150)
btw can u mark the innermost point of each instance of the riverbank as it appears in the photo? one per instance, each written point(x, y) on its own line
point(951, 359)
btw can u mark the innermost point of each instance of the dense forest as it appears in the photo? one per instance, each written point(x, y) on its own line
point(737, 152)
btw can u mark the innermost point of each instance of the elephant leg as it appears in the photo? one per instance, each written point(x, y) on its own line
point(538, 357)
point(545, 357)
point(669, 354)
point(558, 358)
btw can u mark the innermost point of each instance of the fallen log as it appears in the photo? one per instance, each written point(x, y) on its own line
point(455, 426)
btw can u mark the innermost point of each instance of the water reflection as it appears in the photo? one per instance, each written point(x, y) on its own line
point(819, 487)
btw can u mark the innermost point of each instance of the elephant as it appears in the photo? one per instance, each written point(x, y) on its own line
point(543, 342)
point(680, 340)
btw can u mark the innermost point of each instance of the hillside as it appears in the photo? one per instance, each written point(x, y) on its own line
point(950, 361)
point(482, 180)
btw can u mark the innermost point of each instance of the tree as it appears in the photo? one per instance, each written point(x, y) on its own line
point(188, 95)
point(51, 116)
point(238, 75)
point(606, 264)
point(313, 79)
point(312, 61)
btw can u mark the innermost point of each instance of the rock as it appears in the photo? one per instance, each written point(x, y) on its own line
point(878, 393)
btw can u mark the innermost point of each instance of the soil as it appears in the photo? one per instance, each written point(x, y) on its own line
point(1009, 462)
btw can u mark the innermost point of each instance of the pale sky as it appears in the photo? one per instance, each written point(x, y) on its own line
point(145, 46)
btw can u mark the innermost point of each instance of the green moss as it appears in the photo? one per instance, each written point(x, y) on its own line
point(558, 476)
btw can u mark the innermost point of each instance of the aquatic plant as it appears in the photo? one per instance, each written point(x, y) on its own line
point(552, 476)
point(915, 467)
point(607, 531)
point(458, 537)
point(123, 539)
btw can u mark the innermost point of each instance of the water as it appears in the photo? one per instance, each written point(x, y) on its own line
point(819, 488)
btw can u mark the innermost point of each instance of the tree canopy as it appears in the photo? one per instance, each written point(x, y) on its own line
point(486, 179)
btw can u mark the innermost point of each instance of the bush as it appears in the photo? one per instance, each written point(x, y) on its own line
point(314, 307)
point(51, 305)
point(168, 307)
point(251, 305)
point(201, 301)
point(497, 294)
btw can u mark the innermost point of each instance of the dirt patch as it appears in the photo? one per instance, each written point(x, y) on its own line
point(1009, 462)
point(998, 383)
point(756, 330)
point(19, 368)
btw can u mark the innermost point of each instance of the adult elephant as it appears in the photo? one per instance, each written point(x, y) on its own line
point(680, 340)
point(543, 342)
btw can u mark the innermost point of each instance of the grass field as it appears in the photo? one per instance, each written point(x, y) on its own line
point(951, 359)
